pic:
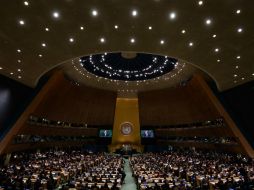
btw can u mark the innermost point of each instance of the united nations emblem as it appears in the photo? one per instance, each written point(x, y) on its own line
point(126, 128)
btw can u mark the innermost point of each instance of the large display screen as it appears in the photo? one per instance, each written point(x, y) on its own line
point(105, 133)
point(147, 134)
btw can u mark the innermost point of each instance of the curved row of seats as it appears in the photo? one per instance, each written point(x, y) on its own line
point(62, 170)
point(193, 170)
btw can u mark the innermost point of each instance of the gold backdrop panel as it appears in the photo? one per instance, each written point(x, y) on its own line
point(126, 129)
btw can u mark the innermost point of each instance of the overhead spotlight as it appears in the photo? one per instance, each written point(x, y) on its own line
point(134, 13)
point(18, 50)
point(43, 45)
point(11, 73)
point(238, 11)
point(238, 57)
point(71, 39)
point(81, 28)
point(26, 3)
point(236, 66)
point(19, 77)
point(1, 68)
point(132, 40)
point(191, 44)
point(56, 14)
point(218, 60)
point(102, 40)
point(94, 13)
point(183, 31)
point(21, 22)
point(40, 55)
point(47, 29)
point(239, 30)
point(19, 61)
point(208, 21)
point(214, 36)
point(235, 75)
point(116, 26)
point(19, 70)
point(216, 49)
point(150, 27)
point(172, 15)
point(200, 3)
point(162, 42)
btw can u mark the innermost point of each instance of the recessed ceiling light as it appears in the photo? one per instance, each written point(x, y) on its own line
point(172, 15)
point(238, 57)
point(102, 40)
point(18, 50)
point(19, 70)
point(218, 60)
point(19, 61)
point(26, 3)
point(216, 49)
point(55, 14)
point(1, 68)
point(208, 21)
point(242, 78)
point(235, 81)
point(19, 77)
point(116, 26)
point(236, 66)
point(252, 74)
point(183, 31)
point(132, 40)
point(239, 30)
point(162, 42)
point(191, 44)
point(11, 73)
point(71, 39)
point(21, 22)
point(150, 27)
point(47, 29)
point(43, 45)
point(134, 13)
point(94, 12)
point(200, 3)
point(81, 28)
point(40, 55)
point(214, 36)
point(238, 11)
point(235, 75)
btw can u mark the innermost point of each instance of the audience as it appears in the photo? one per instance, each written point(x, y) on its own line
point(41, 121)
point(177, 169)
point(192, 170)
point(211, 140)
point(19, 139)
point(63, 170)
point(219, 122)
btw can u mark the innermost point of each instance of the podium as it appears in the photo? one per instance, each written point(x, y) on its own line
point(126, 149)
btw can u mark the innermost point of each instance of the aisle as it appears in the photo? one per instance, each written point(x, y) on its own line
point(129, 181)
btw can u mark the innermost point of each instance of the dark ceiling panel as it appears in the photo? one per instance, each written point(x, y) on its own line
point(185, 35)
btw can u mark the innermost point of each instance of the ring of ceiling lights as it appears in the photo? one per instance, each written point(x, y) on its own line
point(140, 67)
point(75, 72)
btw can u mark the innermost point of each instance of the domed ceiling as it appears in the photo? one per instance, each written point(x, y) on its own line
point(129, 68)
point(213, 35)
point(128, 72)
